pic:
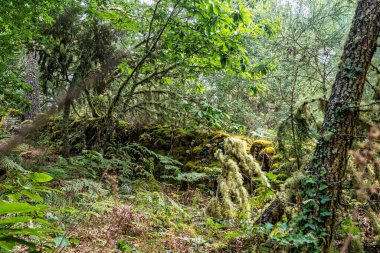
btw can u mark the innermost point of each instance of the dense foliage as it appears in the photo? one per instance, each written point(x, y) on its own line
point(189, 126)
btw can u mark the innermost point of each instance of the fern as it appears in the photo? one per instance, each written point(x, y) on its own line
point(144, 162)
point(11, 165)
point(76, 193)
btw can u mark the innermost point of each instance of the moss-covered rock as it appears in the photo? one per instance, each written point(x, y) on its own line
point(261, 144)
point(265, 152)
point(270, 151)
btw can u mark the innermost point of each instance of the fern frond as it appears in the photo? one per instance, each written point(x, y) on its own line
point(11, 165)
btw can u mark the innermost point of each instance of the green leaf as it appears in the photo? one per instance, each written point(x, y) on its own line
point(326, 214)
point(61, 241)
point(41, 177)
point(349, 75)
point(32, 196)
point(325, 199)
point(268, 226)
point(311, 181)
point(16, 207)
point(40, 232)
point(355, 230)
point(323, 187)
point(271, 176)
point(124, 247)
point(8, 242)
point(45, 222)
point(14, 220)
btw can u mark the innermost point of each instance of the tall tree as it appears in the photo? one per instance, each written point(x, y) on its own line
point(80, 44)
point(340, 121)
point(31, 78)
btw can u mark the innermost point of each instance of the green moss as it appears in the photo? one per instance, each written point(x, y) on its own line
point(377, 239)
point(197, 149)
point(219, 134)
point(212, 171)
point(261, 143)
point(145, 138)
point(123, 123)
point(216, 164)
point(21, 148)
point(191, 166)
point(2, 122)
point(282, 177)
point(184, 137)
point(270, 151)
point(275, 166)
point(277, 158)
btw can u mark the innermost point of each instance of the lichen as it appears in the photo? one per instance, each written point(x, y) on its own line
point(232, 198)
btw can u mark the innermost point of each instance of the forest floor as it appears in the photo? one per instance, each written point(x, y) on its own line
point(139, 199)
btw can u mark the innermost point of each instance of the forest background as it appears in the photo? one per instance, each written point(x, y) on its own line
point(189, 126)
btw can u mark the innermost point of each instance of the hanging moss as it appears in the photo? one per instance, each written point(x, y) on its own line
point(232, 197)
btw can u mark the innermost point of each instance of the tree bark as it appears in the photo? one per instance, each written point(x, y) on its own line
point(31, 78)
point(342, 114)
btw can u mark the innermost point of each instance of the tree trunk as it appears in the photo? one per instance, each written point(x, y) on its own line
point(68, 101)
point(342, 116)
point(65, 126)
point(31, 78)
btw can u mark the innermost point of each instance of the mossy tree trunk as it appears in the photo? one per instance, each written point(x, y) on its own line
point(341, 118)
